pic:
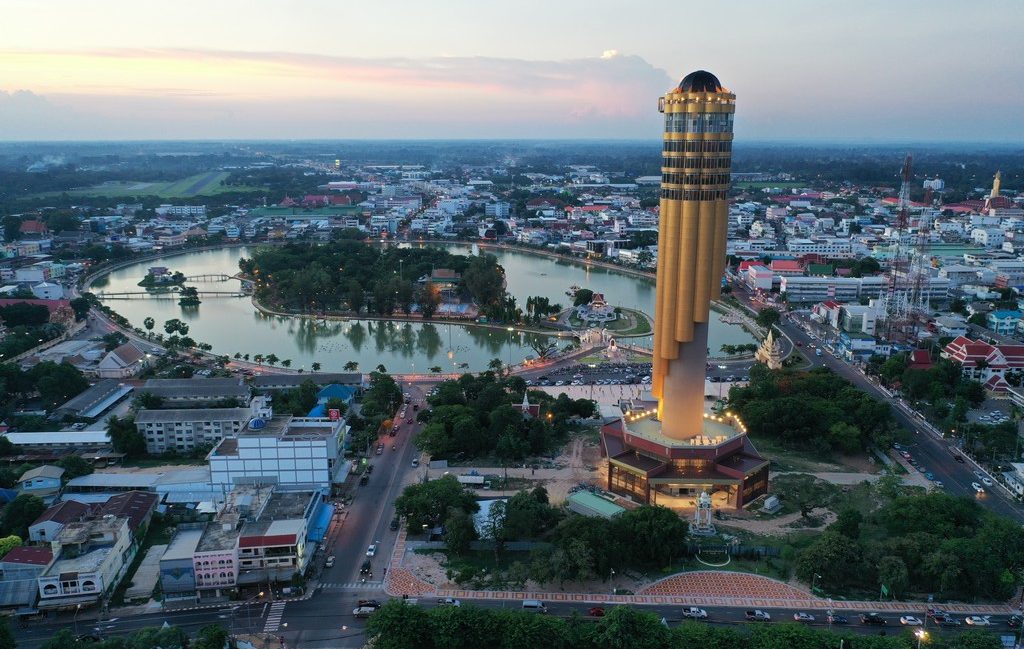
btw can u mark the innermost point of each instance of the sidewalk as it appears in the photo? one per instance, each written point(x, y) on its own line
point(699, 588)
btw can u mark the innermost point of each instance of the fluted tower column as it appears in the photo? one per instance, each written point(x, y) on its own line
point(696, 163)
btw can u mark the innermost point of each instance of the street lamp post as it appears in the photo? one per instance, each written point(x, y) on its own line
point(814, 580)
point(922, 635)
point(78, 607)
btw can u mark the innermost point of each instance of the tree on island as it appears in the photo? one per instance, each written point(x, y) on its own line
point(315, 366)
point(351, 366)
point(582, 296)
point(428, 296)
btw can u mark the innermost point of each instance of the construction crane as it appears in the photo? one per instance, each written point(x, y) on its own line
point(897, 298)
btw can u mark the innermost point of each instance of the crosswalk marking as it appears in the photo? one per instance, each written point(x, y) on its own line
point(274, 617)
point(353, 585)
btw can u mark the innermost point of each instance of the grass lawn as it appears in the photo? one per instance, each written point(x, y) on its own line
point(145, 463)
point(630, 323)
point(204, 184)
point(786, 459)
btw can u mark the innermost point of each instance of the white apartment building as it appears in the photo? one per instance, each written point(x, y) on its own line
point(181, 210)
point(183, 430)
point(292, 452)
point(842, 289)
point(834, 248)
point(499, 209)
point(988, 237)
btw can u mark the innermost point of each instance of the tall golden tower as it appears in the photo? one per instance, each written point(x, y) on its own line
point(696, 163)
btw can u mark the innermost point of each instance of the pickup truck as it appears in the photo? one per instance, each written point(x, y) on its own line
point(364, 611)
point(694, 613)
point(757, 616)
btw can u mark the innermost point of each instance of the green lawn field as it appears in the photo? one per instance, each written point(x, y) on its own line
point(204, 184)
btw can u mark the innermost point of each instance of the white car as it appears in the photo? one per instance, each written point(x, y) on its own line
point(978, 488)
point(977, 620)
point(372, 550)
point(986, 481)
point(803, 617)
point(448, 601)
point(910, 620)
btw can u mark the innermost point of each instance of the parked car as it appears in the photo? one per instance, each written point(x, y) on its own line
point(837, 619)
point(948, 621)
point(871, 618)
point(978, 620)
point(987, 482)
point(910, 620)
point(330, 562)
point(394, 524)
point(757, 616)
point(806, 618)
point(415, 462)
point(694, 613)
point(449, 601)
point(596, 611)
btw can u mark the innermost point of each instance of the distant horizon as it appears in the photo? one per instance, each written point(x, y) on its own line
point(851, 142)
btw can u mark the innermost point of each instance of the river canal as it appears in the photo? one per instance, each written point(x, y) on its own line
point(232, 325)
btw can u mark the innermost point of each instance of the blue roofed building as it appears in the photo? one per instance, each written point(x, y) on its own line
point(1003, 322)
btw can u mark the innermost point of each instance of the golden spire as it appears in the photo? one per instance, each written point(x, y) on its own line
point(996, 182)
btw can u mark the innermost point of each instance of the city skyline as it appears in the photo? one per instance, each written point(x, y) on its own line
point(575, 70)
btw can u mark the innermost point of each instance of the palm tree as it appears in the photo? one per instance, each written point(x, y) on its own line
point(148, 323)
point(351, 366)
point(258, 358)
point(382, 369)
point(245, 357)
point(316, 367)
point(286, 362)
point(271, 358)
point(436, 369)
point(238, 355)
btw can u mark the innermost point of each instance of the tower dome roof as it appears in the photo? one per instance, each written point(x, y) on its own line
point(700, 81)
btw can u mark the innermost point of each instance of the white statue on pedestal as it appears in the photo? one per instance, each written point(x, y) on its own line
point(702, 516)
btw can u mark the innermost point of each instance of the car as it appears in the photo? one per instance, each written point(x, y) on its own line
point(921, 468)
point(596, 611)
point(372, 550)
point(1014, 621)
point(757, 616)
point(715, 379)
point(380, 448)
point(330, 562)
point(559, 383)
point(959, 458)
point(372, 603)
point(939, 484)
point(987, 482)
point(803, 617)
point(837, 619)
point(394, 431)
point(906, 456)
point(408, 421)
point(745, 378)
point(948, 620)
point(366, 568)
point(364, 479)
point(872, 618)
point(979, 475)
point(910, 620)
point(694, 613)
point(978, 488)
point(977, 620)
point(935, 612)
point(394, 524)
point(449, 601)
point(930, 476)
point(415, 462)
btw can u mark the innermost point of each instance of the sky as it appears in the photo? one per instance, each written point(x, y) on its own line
point(802, 70)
